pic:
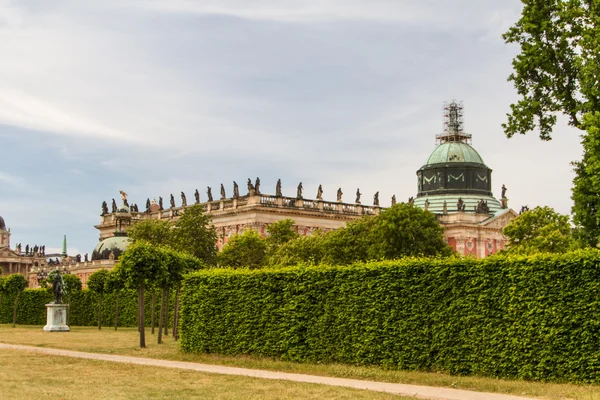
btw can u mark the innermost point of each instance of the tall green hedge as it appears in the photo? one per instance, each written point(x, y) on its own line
point(84, 308)
point(521, 317)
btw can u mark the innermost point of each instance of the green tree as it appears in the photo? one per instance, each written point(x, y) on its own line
point(72, 285)
point(280, 232)
point(114, 284)
point(97, 284)
point(13, 286)
point(248, 249)
point(155, 231)
point(349, 244)
point(539, 230)
point(193, 233)
point(301, 250)
point(141, 264)
point(557, 72)
point(406, 230)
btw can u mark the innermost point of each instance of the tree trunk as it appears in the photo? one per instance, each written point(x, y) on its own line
point(167, 311)
point(100, 313)
point(176, 313)
point(153, 310)
point(141, 316)
point(15, 311)
point(117, 311)
point(161, 316)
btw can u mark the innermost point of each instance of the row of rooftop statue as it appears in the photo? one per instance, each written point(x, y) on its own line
point(254, 189)
point(31, 251)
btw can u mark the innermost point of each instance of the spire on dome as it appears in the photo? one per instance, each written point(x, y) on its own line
point(453, 124)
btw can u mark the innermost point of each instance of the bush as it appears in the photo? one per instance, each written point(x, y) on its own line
point(522, 317)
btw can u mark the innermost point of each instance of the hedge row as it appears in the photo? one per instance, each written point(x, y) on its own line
point(83, 311)
point(532, 318)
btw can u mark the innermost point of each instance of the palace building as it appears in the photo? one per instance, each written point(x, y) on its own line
point(454, 183)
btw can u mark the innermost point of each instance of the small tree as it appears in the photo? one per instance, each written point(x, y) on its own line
point(140, 265)
point(193, 233)
point(14, 285)
point(244, 250)
point(72, 285)
point(302, 250)
point(114, 284)
point(97, 284)
point(539, 230)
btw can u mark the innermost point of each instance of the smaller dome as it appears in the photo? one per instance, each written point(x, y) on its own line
point(115, 245)
point(454, 152)
point(124, 209)
point(2, 224)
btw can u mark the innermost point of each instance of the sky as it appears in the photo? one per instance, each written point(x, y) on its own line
point(157, 97)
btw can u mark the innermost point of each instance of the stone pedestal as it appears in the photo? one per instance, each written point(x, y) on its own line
point(56, 318)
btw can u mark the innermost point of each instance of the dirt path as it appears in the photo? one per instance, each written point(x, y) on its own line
point(422, 392)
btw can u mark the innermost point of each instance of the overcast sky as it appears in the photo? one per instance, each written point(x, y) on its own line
point(159, 97)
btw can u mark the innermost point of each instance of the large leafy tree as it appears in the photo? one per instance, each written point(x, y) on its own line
point(155, 231)
point(247, 249)
point(97, 284)
point(539, 230)
point(13, 286)
point(193, 233)
point(141, 265)
point(557, 72)
point(406, 230)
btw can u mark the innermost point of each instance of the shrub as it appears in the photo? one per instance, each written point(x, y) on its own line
point(534, 317)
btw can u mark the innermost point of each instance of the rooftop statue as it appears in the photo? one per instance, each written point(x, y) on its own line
point(460, 205)
point(197, 196)
point(148, 205)
point(223, 195)
point(250, 187)
point(393, 200)
point(104, 208)
point(160, 203)
point(172, 201)
point(257, 186)
point(339, 194)
point(445, 207)
point(209, 193)
point(503, 192)
point(320, 193)
point(278, 188)
point(426, 204)
point(236, 190)
point(183, 200)
point(358, 194)
point(114, 206)
point(376, 199)
point(411, 200)
point(299, 191)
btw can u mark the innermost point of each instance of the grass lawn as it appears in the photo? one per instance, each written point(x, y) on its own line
point(125, 341)
point(36, 376)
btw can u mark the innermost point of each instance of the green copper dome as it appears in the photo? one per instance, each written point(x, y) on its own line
point(114, 244)
point(454, 152)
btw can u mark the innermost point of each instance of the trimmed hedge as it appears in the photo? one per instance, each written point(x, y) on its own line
point(517, 317)
point(84, 308)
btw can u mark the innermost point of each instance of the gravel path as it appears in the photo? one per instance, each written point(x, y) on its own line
point(421, 392)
